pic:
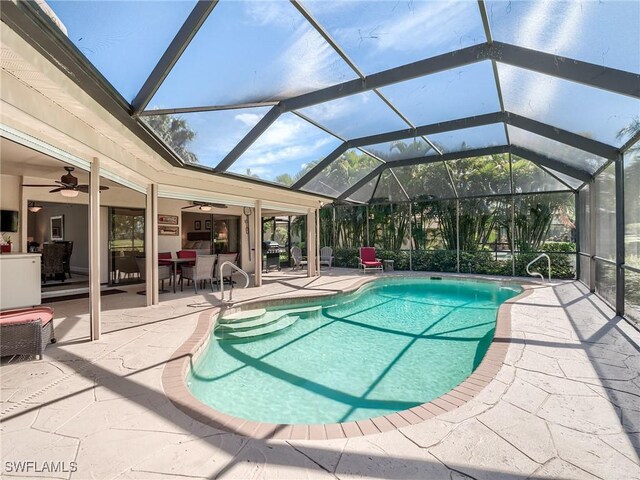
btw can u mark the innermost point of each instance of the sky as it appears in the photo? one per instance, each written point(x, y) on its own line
point(253, 51)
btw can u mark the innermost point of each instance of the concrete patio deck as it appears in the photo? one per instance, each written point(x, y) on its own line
point(566, 403)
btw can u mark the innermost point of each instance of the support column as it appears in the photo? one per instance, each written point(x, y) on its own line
point(410, 238)
point(592, 234)
point(94, 250)
point(577, 226)
point(151, 243)
point(258, 244)
point(318, 238)
point(368, 243)
point(513, 236)
point(457, 235)
point(334, 238)
point(311, 243)
point(620, 253)
point(21, 244)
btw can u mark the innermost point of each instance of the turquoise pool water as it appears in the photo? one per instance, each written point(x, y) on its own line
point(395, 344)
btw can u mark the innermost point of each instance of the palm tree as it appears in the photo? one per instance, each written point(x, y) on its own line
point(175, 132)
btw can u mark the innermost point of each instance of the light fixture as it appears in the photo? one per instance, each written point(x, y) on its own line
point(205, 208)
point(34, 207)
point(66, 192)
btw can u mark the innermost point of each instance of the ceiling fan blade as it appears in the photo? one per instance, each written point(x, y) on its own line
point(218, 205)
point(33, 185)
point(82, 188)
point(104, 188)
point(190, 206)
point(55, 190)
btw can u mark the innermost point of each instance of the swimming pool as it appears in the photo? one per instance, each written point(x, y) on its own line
point(392, 345)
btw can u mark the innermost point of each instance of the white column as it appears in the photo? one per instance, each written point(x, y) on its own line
point(94, 250)
point(150, 233)
point(311, 243)
point(317, 215)
point(21, 245)
point(257, 241)
point(155, 287)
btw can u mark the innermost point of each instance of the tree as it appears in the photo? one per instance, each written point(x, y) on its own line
point(176, 132)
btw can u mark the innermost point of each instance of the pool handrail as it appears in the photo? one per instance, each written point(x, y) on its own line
point(536, 274)
point(221, 278)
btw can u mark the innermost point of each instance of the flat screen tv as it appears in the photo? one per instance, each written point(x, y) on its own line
point(8, 221)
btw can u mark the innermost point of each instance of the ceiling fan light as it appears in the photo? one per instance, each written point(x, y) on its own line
point(69, 193)
point(35, 208)
point(205, 208)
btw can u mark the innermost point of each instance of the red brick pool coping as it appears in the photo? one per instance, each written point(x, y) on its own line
point(176, 369)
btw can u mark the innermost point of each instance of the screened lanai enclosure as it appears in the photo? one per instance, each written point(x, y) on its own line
point(454, 136)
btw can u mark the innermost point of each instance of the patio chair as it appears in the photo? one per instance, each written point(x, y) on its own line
point(26, 331)
point(368, 260)
point(222, 258)
point(66, 259)
point(296, 255)
point(164, 271)
point(53, 255)
point(326, 256)
point(201, 272)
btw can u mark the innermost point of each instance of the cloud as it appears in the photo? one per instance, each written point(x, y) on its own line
point(248, 119)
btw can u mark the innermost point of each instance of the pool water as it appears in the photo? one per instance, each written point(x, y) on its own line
point(394, 344)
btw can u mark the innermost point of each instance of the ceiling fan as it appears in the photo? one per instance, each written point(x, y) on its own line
point(205, 206)
point(67, 185)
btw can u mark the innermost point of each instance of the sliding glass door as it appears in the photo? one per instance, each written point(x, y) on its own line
point(126, 242)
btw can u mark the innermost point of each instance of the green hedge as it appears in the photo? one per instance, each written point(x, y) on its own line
point(483, 262)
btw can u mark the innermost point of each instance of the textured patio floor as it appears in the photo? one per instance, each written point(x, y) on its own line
point(566, 404)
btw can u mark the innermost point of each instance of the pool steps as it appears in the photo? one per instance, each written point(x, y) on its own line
point(254, 323)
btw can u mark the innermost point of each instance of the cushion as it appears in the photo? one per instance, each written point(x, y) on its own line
point(188, 244)
point(197, 244)
point(367, 254)
point(372, 264)
point(25, 315)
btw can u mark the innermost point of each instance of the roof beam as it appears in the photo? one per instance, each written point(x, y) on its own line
point(259, 128)
point(562, 136)
point(605, 78)
point(362, 182)
point(208, 108)
point(171, 55)
point(420, 68)
point(552, 163)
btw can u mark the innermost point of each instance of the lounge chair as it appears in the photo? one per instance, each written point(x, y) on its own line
point(26, 331)
point(326, 256)
point(296, 255)
point(368, 260)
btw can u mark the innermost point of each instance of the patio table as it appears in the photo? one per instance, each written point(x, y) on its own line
point(174, 267)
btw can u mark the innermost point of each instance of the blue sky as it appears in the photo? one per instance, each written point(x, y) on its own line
point(251, 51)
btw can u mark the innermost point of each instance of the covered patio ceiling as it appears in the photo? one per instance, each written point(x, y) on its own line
point(340, 98)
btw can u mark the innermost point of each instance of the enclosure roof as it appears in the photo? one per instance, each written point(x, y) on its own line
point(355, 100)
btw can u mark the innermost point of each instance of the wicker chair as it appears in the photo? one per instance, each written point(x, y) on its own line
point(26, 331)
point(164, 272)
point(202, 271)
point(53, 260)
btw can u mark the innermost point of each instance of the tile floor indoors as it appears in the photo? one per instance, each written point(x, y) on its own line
point(566, 403)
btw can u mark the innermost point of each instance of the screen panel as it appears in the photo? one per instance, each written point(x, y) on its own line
point(378, 35)
point(555, 150)
point(205, 138)
point(355, 116)
point(458, 93)
point(342, 173)
point(586, 111)
point(285, 151)
point(604, 33)
point(251, 52)
point(105, 31)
